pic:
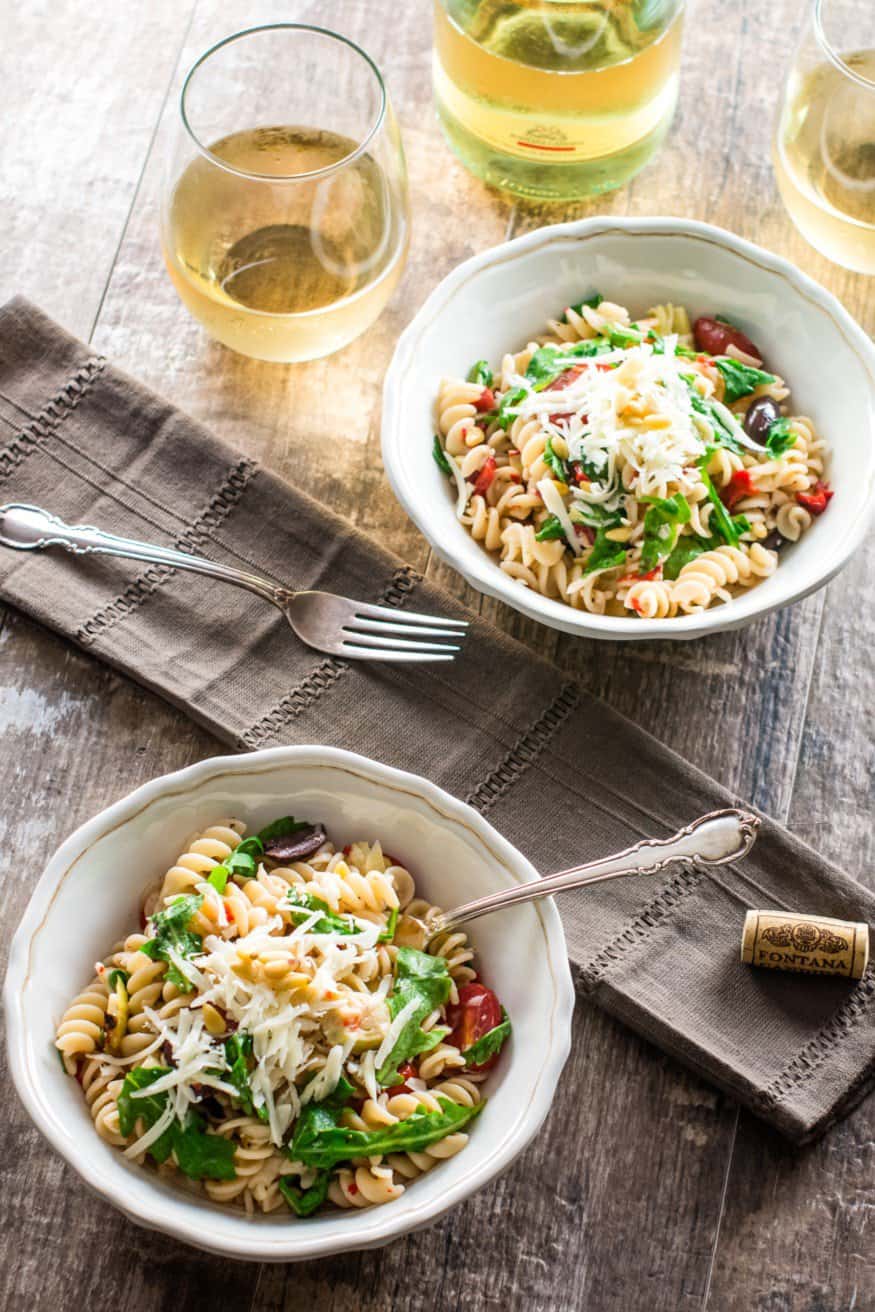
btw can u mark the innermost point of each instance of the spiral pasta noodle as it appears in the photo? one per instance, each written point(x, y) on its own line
point(602, 459)
point(284, 994)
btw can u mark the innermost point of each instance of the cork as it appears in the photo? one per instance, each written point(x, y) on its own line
point(783, 940)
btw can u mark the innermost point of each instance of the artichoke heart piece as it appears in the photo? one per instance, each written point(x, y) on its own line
point(117, 1015)
point(359, 1016)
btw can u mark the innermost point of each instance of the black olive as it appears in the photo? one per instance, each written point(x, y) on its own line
point(760, 417)
point(297, 845)
point(774, 542)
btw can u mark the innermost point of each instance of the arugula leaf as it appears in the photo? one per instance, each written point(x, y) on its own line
point(480, 373)
point(781, 437)
point(705, 407)
point(199, 1155)
point(304, 1202)
point(114, 976)
point(287, 824)
point(149, 1109)
point(605, 554)
point(238, 1050)
point(425, 978)
point(741, 379)
point(489, 1043)
point(595, 515)
point(319, 1141)
point(721, 518)
point(593, 302)
point(504, 416)
point(687, 549)
point(171, 931)
point(555, 463)
point(440, 458)
point(391, 925)
point(550, 530)
point(662, 524)
point(340, 1094)
point(657, 340)
point(306, 903)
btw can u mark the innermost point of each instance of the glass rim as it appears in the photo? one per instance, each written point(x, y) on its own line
point(308, 176)
point(832, 54)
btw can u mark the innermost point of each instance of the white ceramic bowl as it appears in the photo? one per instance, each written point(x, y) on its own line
point(89, 897)
point(500, 299)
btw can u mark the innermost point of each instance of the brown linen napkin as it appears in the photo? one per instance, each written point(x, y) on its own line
point(560, 774)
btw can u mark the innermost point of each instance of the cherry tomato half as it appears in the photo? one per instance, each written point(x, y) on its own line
point(714, 336)
point(477, 1012)
point(407, 1071)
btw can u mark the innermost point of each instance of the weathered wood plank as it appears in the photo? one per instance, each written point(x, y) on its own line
point(618, 1203)
point(87, 90)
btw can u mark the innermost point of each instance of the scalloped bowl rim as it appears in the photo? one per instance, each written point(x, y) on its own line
point(242, 1237)
point(482, 573)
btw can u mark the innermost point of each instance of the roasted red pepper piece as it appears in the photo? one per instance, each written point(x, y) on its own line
point(817, 500)
point(483, 481)
point(738, 487)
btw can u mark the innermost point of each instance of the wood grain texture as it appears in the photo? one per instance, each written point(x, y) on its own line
point(646, 1190)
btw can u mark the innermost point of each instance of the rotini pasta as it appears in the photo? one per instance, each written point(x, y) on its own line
point(645, 467)
point(286, 1032)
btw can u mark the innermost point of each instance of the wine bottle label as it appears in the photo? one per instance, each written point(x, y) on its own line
point(781, 940)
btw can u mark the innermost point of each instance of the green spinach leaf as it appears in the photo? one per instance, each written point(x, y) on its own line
point(721, 520)
point(662, 524)
point(305, 904)
point(741, 379)
point(593, 302)
point(781, 437)
point(605, 554)
point(440, 458)
point(480, 373)
point(199, 1155)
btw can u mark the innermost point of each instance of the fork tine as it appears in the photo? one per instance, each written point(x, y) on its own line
point(377, 654)
point(395, 644)
point(362, 625)
point(366, 611)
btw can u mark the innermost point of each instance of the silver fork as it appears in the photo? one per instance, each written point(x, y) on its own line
point(352, 629)
point(712, 840)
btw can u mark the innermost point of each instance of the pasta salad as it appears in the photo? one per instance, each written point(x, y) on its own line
point(283, 1033)
point(645, 467)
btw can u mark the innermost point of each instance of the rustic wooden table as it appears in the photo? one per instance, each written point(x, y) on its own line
point(647, 1191)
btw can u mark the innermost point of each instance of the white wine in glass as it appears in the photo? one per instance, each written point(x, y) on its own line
point(556, 99)
point(285, 239)
point(824, 147)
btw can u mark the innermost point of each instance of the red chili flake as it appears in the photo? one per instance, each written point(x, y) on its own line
point(655, 573)
point(739, 486)
point(584, 531)
point(577, 473)
point(515, 476)
point(352, 1187)
point(636, 605)
point(817, 500)
point(485, 401)
point(347, 849)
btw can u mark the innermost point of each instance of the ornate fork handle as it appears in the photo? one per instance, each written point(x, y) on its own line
point(28, 528)
point(712, 840)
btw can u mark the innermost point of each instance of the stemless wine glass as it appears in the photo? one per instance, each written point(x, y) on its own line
point(285, 217)
point(824, 147)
